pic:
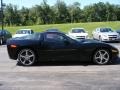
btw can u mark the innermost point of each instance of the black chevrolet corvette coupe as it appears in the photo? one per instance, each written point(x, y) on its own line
point(58, 46)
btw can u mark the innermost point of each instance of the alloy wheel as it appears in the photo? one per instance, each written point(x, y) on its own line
point(101, 57)
point(26, 57)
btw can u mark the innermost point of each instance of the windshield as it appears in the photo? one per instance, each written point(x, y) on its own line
point(35, 36)
point(78, 31)
point(23, 32)
point(73, 38)
point(105, 30)
point(52, 30)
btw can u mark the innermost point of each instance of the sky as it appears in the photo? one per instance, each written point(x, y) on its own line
point(30, 3)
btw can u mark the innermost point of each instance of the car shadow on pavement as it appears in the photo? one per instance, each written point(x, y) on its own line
point(63, 63)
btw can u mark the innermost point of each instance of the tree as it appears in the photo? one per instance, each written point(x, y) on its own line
point(12, 15)
point(61, 12)
point(75, 12)
point(24, 14)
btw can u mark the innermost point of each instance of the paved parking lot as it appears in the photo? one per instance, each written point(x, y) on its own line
point(58, 76)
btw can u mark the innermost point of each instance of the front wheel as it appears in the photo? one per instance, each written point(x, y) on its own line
point(100, 38)
point(1, 41)
point(26, 57)
point(101, 57)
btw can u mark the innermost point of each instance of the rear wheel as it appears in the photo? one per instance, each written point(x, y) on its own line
point(101, 57)
point(26, 57)
point(1, 41)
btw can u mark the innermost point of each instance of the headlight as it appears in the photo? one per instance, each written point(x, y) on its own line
point(115, 51)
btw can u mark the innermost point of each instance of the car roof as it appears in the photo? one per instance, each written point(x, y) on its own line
point(24, 29)
point(77, 28)
point(103, 28)
point(53, 32)
point(52, 29)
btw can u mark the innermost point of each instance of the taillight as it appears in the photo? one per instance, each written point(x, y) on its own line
point(13, 46)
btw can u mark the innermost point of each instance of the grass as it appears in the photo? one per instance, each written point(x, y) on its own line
point(66, 27)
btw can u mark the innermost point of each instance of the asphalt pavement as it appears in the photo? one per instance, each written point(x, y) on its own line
point(58, 76)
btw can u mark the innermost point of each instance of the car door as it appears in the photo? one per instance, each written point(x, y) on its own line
point(58, 46)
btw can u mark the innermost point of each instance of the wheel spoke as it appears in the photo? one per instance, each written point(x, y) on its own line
point(24, 62)
point(105, 58)
point(98, 57)
point(22, 56)
point(26, 52)
point(29, 61)
point(31, 56)
point(105, 54)
point(100, 53)
point(101, 61)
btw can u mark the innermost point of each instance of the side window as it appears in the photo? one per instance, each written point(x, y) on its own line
point(7, 32)
point(54, 37)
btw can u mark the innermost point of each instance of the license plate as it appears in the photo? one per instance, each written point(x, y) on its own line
point(112, 39)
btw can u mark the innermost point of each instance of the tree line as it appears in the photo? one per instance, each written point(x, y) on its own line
point(60, 13)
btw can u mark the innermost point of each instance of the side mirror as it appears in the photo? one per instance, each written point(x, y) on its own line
point(66, 42)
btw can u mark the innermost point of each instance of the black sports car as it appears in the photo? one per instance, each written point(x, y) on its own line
point(55, 45)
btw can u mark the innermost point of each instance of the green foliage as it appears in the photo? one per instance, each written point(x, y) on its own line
point(60, 13)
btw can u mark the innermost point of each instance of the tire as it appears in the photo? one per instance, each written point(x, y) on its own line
point(101, 57)
point(1, 41)
point(100, 39)
point(26, 57)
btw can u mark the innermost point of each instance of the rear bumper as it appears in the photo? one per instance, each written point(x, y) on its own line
point(12, 53)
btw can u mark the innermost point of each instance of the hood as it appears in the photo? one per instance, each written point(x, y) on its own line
point(19, 35)
point(89, 41)
point(78, 34)
point(109, 33)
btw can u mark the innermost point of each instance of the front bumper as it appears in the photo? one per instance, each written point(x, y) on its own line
point(115, 54)
point(81, 37)
point(110, 39)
